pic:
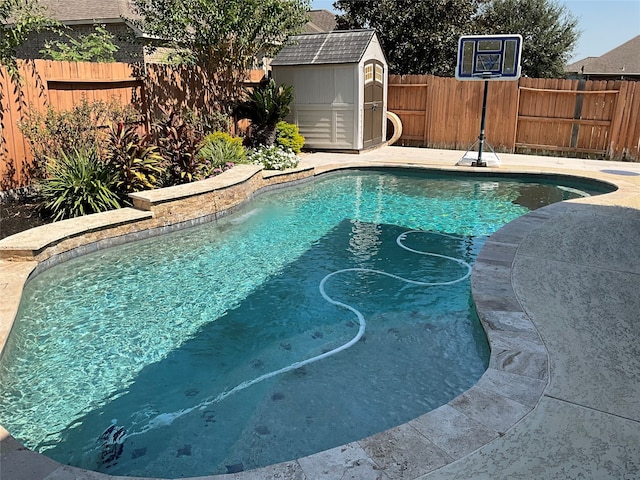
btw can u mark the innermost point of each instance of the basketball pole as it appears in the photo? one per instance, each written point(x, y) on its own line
point(488, 58)
point(481, 137)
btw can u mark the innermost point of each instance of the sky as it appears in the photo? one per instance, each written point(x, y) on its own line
point(605, 24)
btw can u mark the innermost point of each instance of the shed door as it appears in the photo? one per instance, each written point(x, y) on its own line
point(373, 106)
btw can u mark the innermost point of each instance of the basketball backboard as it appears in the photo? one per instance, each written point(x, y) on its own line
point(489, 57)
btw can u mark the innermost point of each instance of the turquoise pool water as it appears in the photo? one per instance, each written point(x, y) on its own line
point(315, 316)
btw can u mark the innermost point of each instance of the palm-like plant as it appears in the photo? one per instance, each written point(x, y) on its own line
point(77, 184)
point(265, 107)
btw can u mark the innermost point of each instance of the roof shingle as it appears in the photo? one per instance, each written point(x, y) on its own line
point(324, 48)
point(622, 60)
point(320, 21)
point(88, 10)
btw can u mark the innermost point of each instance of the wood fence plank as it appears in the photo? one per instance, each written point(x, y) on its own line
point(7, 147)
point(36, 98)
point(558, 148)
point(631, 149)
point(609, 112)
point(565, 120)
point(548, 135)
point(616, 122)
point(542, 108)
point(18, 108)
point(577, 114)
point(426, 115)
point(568, 91)
point(512, 146)
point(625, 121)
point(428, 105)
point(539, 108)
point(431, 105)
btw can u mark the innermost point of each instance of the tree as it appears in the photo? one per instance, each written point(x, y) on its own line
point(548, 30)
point(18, 20)
point(94, 47)
point(421, 37)
point(223, 37)
point(418, 37)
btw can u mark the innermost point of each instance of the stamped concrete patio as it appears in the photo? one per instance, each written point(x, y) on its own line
point(557, 293)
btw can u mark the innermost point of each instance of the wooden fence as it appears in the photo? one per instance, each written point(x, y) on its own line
point(593, 118)
point(545, 115)
point(62, 85)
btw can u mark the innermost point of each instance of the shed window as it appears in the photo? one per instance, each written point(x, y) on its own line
point(368, 73)
point(379, 73)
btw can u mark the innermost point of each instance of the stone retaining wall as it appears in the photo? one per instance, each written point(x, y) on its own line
point(155, 212)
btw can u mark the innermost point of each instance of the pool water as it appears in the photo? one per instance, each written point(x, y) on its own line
point(315, 316)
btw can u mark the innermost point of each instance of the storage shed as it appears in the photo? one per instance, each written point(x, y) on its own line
point(340, 88)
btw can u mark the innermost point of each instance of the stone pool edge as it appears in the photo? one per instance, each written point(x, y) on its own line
point(511, 387)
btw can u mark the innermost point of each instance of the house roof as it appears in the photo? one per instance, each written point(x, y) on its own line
point(320, 21)
point(325, 48)
point(622, 60)
point(95, 11)
point(88, 11)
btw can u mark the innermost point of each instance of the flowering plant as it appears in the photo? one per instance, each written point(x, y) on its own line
point(210, 170)
point(274, 158)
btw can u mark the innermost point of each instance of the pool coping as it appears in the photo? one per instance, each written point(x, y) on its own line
point(510, 389)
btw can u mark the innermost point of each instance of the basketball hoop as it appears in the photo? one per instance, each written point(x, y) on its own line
point(487, 58)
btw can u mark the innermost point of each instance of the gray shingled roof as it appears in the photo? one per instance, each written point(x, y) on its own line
point(322, 48)
point(87, 11)
point(320, 21)
point(622, 60)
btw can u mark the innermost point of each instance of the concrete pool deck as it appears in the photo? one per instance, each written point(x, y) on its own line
point(557, 292)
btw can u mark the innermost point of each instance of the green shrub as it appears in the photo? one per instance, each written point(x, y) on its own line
point(221, 136)
point(220, 151)
point(52, 132)
point(98, 46)
point(77, 184)
point(288, 136)
point(274, 158)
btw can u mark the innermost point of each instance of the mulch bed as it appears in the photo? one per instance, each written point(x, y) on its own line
point(17, 215)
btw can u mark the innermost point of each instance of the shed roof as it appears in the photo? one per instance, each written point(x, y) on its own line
point(346, 46)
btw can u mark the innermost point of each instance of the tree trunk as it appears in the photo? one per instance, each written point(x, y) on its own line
point(264, 135)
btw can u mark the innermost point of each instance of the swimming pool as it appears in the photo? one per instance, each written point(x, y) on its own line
point(138, 358)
